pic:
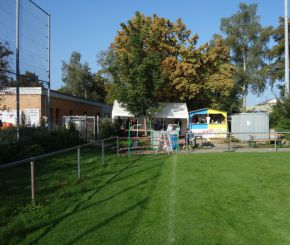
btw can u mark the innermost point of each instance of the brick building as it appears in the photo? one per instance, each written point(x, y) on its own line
point(33, 104)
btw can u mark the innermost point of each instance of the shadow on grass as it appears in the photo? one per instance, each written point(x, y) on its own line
point(49, 225)
point(52, 223)
point(142, 204)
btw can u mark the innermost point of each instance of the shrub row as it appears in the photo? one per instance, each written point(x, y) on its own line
point(35, 141)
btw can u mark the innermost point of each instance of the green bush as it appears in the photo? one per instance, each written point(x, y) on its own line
point(280, 116)
point(107, 129)
point(35, 141)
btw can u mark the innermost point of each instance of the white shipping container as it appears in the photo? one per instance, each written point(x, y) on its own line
point(244, 126)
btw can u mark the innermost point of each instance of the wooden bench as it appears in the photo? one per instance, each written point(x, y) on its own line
point(253, 142)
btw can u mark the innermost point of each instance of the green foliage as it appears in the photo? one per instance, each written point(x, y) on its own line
point(107, 129)
point(5, 53)
point(277, 55)
point(34, 211)
point(79, 81)
point(35, 141)
point(248, 41)
point(28, 79)
point(155, 60)
point(139, 69)
point(280, 116)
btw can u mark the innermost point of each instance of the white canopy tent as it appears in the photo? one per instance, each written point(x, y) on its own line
point(168, 112)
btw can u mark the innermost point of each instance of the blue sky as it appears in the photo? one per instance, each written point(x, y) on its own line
point(89, 26)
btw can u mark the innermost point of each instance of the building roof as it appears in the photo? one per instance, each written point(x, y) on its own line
point(205, 111)
point(269, 102)
point(59, 95)
point(265, 106)
point(167, 110)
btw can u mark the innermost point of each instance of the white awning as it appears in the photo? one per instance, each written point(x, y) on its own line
point(167, 110)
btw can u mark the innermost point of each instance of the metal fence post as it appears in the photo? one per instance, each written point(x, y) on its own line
point(186, 145)
point(32, 182)
point(118, 151)
point(79, 163)
point(229, 141)
point(103, 153)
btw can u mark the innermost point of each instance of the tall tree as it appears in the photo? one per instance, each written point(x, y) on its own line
point(139, 76)
point(248, 41)
point(72, 75)
point(155, 60)
point(280, 116)
point(5, 79)
point(277, 55)
point(80, 81)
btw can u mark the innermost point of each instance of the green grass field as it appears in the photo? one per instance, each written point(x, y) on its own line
point(218, 198)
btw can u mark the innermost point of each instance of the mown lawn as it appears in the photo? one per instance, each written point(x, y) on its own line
point(217, 198)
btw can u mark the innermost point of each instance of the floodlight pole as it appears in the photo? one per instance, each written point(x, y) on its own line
point(286, 50)
point(17, 70)
point(48, 87)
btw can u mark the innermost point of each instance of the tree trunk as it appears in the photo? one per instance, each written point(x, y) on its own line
point(244, 85)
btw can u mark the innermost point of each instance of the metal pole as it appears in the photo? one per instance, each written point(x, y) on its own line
point(137, 130)
point(230, 141)
point(151, 135)
point(79, 163)
point(32, 182)
point(186, 139)
point(17, 69)
point(129, 140)
point(103, 153)
point(48, 89)
point(286, 50)
point(94, 129)
point(118, 151)
point(86, 128)
point(98, 127)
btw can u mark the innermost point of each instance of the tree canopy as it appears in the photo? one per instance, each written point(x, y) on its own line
point(153, 59)
point(5, 52)
point(277, 55)
point(280, 116)
point(28, 79)
point(5, 78)
point(248, 42)
point(79, 81)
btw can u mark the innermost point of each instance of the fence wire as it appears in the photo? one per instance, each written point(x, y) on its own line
point(33, 37)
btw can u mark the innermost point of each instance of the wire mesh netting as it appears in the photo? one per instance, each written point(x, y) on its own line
point(33, 37)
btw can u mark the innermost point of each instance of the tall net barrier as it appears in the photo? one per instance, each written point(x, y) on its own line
point(32, 36)
point(8, 34)
point(25, 61)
